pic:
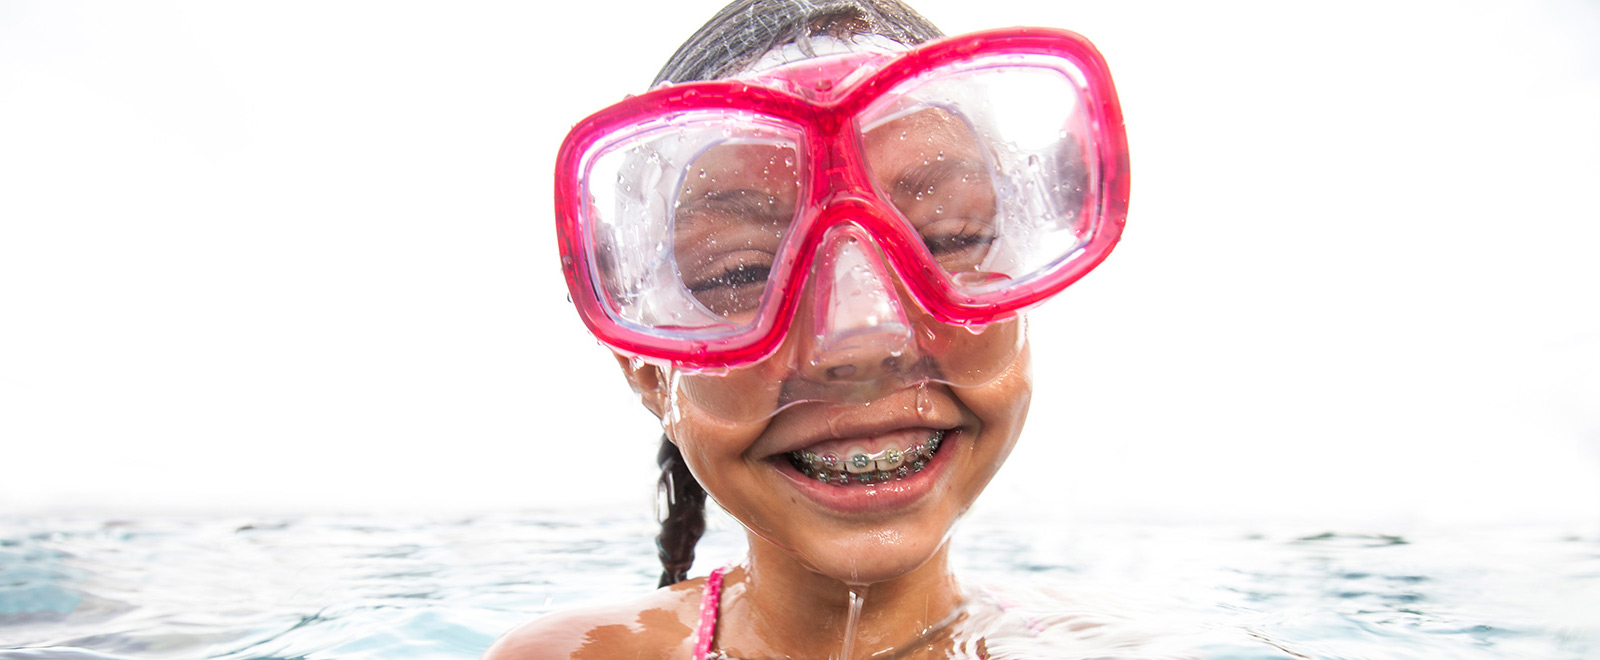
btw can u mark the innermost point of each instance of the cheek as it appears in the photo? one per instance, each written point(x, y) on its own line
point(716, 452)
point(1001, 406)
point(744, 393)
point(965, 356)
point(709, 444)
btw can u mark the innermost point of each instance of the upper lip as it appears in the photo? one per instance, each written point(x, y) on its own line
point(861, 428)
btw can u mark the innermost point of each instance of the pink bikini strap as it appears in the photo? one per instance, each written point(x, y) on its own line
point(707, 631)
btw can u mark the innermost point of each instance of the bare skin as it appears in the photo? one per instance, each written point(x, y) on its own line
point(661, 625)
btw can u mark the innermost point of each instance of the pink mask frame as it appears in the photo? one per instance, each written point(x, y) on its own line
point(837, 188)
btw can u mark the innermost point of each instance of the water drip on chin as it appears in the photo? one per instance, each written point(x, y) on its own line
point(858, 596)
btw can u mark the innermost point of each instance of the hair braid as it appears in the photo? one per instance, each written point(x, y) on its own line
point(685, 518)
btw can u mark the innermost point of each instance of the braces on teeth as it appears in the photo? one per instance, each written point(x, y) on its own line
point(890, 464)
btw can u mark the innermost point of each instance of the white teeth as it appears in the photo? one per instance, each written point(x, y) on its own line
point(890, 460)
point(856, 461)
point(857, 465)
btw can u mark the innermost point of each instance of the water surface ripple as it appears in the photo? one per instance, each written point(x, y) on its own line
point(434, 588)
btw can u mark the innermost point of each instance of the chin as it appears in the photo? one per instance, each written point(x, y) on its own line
point(879, 554)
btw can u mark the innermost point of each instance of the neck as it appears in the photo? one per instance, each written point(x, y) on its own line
point(778, 607)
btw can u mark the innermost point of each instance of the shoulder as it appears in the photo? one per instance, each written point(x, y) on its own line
point(659, 625)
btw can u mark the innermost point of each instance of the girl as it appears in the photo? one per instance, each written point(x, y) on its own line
point(812, 269)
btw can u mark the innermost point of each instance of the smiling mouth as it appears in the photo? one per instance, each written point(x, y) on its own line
point(860, 467)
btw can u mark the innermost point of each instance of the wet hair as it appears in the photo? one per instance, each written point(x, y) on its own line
point(731, 41)
point(684, 518)
point(746, 29)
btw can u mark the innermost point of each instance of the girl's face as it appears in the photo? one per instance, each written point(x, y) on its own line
point(855, 533)
point(866, 490)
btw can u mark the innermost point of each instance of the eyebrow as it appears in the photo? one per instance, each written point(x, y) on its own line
point(918, 179)
point(745, 203)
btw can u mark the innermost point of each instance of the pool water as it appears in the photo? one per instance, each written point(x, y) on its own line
point(416, 587)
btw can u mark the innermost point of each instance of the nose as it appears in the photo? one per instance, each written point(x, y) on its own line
point(859, 331)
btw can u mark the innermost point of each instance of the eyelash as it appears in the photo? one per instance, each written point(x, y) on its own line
point(733, 277)
point(968, 237)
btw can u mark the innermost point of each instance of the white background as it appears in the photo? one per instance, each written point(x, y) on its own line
point(298, 256)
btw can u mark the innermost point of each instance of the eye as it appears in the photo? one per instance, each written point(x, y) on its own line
point(969, 238)
point(724, 242)
point(958, 244)
point(729, 219)
point(732, 284)
point(734, 277)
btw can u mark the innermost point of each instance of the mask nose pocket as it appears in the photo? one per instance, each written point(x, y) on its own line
point(858, 330)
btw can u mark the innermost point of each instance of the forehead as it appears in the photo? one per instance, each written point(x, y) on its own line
point(920, 130)
point(759, 159)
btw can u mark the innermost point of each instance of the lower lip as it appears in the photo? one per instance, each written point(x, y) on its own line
point(876, 497)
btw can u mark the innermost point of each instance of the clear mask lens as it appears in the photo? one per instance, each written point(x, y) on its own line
point(986, 160)
point(729, 190)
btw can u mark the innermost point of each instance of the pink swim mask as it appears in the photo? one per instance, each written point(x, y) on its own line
point(892, 207)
